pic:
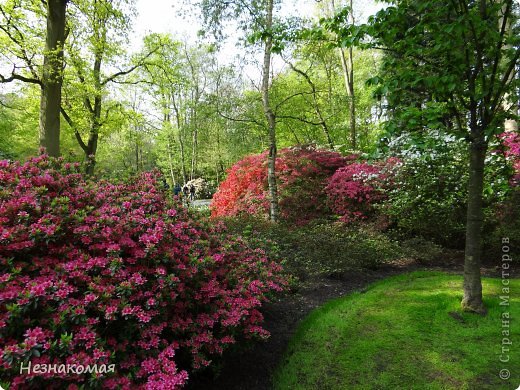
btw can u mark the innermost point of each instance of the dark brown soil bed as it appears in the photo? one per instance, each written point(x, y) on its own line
point(252, 368)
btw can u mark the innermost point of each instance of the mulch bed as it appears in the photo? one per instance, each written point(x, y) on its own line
point(252, 368)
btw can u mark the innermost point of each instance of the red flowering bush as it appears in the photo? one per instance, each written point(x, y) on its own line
point(302, 174)
point(354, 189)
point(97, 273)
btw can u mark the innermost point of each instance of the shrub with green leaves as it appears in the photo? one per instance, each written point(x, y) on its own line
point(429, 193)
point(428, 198)
point(503, 224)
point(319, 248)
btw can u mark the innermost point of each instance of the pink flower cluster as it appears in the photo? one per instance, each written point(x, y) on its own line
point(511, 141)
point(354, 189)
point(102, 273)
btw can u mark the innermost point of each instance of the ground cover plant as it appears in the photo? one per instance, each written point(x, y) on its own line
point(322, 248)
point(98, 273)
point(405, 332)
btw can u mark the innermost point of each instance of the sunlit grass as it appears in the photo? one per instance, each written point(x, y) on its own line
point(406, 332)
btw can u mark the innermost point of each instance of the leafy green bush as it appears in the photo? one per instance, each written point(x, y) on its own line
point(428, 198)
point(421, 250)
point(429, 195)
point(503, 222)
point(318, 248)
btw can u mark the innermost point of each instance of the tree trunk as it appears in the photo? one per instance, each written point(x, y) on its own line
point(352, 104)
point(270, 117)
point(348, 74)
point(177, 108)
point(95, 117)
point(91, 150)
point(347, 65)
point(183, 163)
point(169, 146)
point(472, 300)
point(136, 155)
point(194, 153)
point(52, 78)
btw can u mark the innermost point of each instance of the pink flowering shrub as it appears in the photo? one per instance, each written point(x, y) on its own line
point(302, 174)
point(511, 142)
point(98, 273)
point(354, 189)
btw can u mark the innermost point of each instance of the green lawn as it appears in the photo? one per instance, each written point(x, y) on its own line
point(406, 332)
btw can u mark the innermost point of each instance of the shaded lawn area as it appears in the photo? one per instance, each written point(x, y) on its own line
point(405, 332)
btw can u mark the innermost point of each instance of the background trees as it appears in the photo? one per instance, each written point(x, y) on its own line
point(181, 108)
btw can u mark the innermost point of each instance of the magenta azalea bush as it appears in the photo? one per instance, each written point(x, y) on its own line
point(353, 190)
point(99, 273)
point(511, 142)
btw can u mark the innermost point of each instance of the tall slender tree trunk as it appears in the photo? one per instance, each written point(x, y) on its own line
point(178, 119)
point(270, 117)
point(136, 155)
point(472, 300)
point(52, 78)
point(348, 74)
point(170, 162)
point(167, 121)
point(347, 65)
point(95, 124)
point(194, 151)
point(183, 155)
point(92, 149)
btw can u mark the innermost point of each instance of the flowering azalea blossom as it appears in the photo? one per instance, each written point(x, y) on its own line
point(94, 272)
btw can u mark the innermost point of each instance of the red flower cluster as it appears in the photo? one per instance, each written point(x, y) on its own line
point(97, 273)
point(302, 174)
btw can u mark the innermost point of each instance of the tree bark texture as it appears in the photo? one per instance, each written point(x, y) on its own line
point(52, 77)
point(472, 300)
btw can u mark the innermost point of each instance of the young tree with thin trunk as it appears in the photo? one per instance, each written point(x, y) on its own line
point(99, 42)
point(464, 54)
point(269, 115)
